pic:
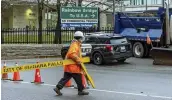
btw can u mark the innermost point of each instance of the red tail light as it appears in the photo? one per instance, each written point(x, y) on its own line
point(109, 48)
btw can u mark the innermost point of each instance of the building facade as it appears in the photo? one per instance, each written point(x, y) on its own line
point(22, 15)
point(138, 5)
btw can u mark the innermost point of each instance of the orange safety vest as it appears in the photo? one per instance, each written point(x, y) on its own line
point(73, 53)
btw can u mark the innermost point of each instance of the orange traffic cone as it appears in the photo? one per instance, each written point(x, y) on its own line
point(5, 75)
point(69, 84)
point(16, 76)
point(83, 82)
point(37, 79)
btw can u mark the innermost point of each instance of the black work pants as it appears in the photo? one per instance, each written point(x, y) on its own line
point(67, 76)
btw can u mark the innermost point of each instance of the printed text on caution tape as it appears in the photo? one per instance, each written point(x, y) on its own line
point(41, 65)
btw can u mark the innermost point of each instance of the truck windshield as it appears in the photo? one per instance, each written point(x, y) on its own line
point(119, 40)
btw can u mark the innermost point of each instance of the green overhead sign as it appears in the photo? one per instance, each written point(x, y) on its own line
point(79, 13)
point(79, 16)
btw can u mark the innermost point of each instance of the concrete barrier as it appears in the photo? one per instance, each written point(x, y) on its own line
point(27, 51)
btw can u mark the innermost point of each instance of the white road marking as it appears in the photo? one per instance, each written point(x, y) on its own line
point(109, 91)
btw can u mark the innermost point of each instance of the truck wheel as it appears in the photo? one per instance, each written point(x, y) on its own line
point(97, 59)
point(138, 50)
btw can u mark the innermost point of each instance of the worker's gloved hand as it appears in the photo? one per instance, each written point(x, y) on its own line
point(79, 63)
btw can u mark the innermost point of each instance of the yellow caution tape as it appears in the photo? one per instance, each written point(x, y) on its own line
point(42, 65)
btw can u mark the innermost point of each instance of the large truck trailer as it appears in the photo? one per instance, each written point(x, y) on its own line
point(140, 25)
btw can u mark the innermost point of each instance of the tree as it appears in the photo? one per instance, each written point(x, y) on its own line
point(40, 8)
point(4, 5)
point(57, 38)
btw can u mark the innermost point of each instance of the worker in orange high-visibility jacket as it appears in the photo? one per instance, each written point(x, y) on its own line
point(73, 70)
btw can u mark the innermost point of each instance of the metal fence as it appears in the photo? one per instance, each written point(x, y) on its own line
point(44, 36)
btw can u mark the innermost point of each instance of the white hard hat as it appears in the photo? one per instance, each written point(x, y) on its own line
point(78, 34)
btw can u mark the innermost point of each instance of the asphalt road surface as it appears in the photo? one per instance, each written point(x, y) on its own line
point(137, 79)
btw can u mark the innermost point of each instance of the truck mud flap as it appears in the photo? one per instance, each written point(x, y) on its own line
point(162, 56)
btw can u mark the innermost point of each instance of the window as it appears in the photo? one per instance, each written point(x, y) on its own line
point(95, 40)
point(102, 40)
point(118, 40)
point(90, 40)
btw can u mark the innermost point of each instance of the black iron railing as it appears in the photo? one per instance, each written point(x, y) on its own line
point(33, 36)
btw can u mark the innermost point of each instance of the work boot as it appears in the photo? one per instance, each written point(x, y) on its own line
point(83, 93)
point(57, 91)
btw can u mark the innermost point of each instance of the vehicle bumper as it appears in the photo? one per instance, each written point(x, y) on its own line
point(86, 54)
point(117, 56)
